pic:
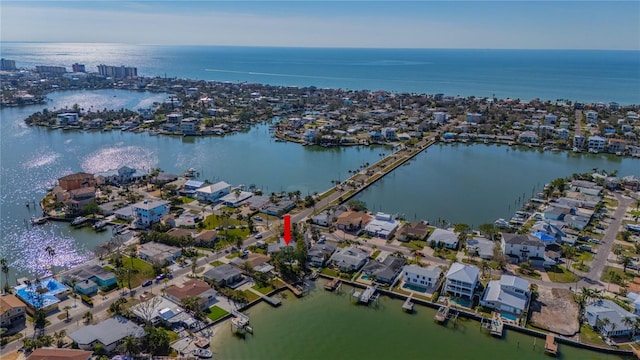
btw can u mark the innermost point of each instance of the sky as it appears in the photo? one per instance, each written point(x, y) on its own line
point(606, 25)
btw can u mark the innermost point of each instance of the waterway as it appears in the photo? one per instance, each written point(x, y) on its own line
point(478, 183)
point(324, 325)
point(32, 158)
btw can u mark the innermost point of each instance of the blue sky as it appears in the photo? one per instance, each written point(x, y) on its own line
point(382, 24)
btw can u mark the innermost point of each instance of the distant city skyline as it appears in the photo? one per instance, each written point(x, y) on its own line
point(602, 25)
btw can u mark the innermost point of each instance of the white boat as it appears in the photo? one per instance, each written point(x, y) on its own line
point(203, 353)
point(100, 225)
point(79, 221)
point(501, 223)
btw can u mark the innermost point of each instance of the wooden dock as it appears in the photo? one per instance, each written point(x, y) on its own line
point(408, 304)
point(332, 285)
point(297, 292)
point(275, 302)
point(551, 345)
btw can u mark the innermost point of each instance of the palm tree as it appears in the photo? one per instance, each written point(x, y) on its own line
point(66, 309)
point(485, 268)
point(5, 270)
point(74, 281)
point(59, 336)
point(87, 317)
point(52, 252)
point(603, 326)
point(130, 345)
point(569, 252)
point(626, 261)
point(627, 320)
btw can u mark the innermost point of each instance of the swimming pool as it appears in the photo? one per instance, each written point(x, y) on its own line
point(509, 316)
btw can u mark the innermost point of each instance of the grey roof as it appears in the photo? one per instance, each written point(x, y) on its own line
point(529, 240)
point(222, 272)
point(495, 293)
point(149, 205)
point(349, 256)
point(464, 273)
point(83, 273)
point(107, 332)
point(514, 281)
point(482, 245)
point(443, 236)
point(610, 310)
point(386, 269)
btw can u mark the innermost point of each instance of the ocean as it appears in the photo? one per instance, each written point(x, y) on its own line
point(576, 75)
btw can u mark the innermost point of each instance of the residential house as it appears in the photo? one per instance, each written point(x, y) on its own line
point(528, 137)
point(77, 181)
point(352, 220)
point(350, 259)
point(480, 247)
point(413, 231)
point(578, 141)
point(382, 226)
point(109, 333)
point(461, 280)
point(213, 193)
point(318, 254)
point(192, 288)
point(522, 247)
point(12, 313)
point(423, 277)
point(158, 252)
point(174, 118)
point(445, 238)
point(189, 126)
point(597, 144)
point(616, 146)
point(126, 213)
point(88, 279)
point(158, 310)
point(236, 198)
point(275, 247)
point(76, 199)
point(190, 186)
point(206, 238)
point(592, 116)
point(278, 209)
point(65, 119)
point(49, 353)
point(149, 212)
point(510, 294)
point(614, 325)
point(224, 275)
point(386, 271)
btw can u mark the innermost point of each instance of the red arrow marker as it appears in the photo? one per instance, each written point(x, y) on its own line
point(287, 229)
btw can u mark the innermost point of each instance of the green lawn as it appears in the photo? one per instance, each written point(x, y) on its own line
point(589, 336)
point(415, 245)
point(216, 263)
point(142, 271)
point(580, 266)
point(560, 274)
point(263, 290)
point(216, 313)
point(251, 296)
point(585, 256)
point(186, 200)
point(173, 336)
point(615, 275)
point(375, 254)
point(330, 272)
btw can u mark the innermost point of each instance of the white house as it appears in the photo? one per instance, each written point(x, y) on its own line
point(350, 258)
point(421, 277)
point(462, 280)
point(158, 252)
point(382, 226)
point(189, 126)
point(578, 141)
point(522, 247)
point(213, 193)
point(614, 325)
point(447, 238)
point(110, 333)
point(509, 294)
point(592, 116)
point(149, 212)
point(597, 144)
point(528, 137)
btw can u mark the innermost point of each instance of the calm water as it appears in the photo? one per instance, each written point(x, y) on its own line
point(476, 184)
point(588, 76)
point(325, 325)
point(32, 158)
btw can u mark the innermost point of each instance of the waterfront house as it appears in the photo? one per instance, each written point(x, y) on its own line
point(149, 212)
point(190, 186)
point(349, 259)
point(76, 200)
point(382, 226)
point(521, 247)
point(324, 218)
point(89, 278)
point(192, 288)
point(213, 193)
point(77, 181)
point(578, 142)
point(413, 231)
point(68, 119)
point(481, 247)
point(445, 238)
point(461, 280)
point(422, 277)
point(278, 209)
point(12, 313)
point(386, 271)
point(159, 310)
point(616, 146)
point(224, 275)
point(126, 213)
point(59, 354)
point(189, 126)
point(158, 252)
point(318, 254)
point(109, 333)
point(528, 137)
point(614, 325)
point(596, 144)
point(352, 220)
point(510, 294)
point(174, 118)
point(44, 295)
point(236, 198)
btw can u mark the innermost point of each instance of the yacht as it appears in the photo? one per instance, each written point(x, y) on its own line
point(501, 223)
point(79, 221)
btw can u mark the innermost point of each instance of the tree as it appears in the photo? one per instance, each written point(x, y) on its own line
point(489, 230)
point(357, 205)
point(130, 345)
point(66, 310)
point(51, 252)
point(569, 253)
point(627, 320)
point(626, 261)
point(157, 341)
point(486, 268)
point(5, 271)
point(59, 336)
point(88, 317)
point(147, 309)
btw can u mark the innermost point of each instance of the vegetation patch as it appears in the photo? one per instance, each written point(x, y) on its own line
point(415, 245)
point(186, 200)
point(263, 289)
point(560, 274)
point(615, 275)
point(251, 296)
point(375, 254)
point(216, 263)
point(216, 313)
point(590, 336)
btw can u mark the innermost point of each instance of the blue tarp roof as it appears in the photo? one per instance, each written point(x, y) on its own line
point(544, 237)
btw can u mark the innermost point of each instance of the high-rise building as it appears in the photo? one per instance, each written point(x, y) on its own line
point(51, 70)
point(78, 67)
point(8, 65)
point(117, 72)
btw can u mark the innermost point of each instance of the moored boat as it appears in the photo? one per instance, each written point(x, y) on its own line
point(79, 221)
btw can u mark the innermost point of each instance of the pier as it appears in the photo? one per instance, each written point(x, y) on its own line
point(240, 323)
point(366, 296)
point(297, 292)
point(275, 302)
point(442, 314)
point(495, 326)
point(408, 304)
point(333, 284)
point(551, 345)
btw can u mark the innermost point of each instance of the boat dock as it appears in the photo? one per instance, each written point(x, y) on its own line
point(442, 314)
point(241, 323)
point(367, 295)
point(333, 284)
point(39, 221)
point(551, 345)
point(297, 292)
point(408, 304)
point(275, 302)
point(495, 326)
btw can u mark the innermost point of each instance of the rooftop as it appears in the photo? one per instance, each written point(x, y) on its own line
point(107, 332)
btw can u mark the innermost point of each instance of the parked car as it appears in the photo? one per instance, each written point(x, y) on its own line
point(599, 227)
point(161, 276)
point(147, 283)
point(258, 217)
point(586, 248)
point(594, 241)
point(258, 236)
